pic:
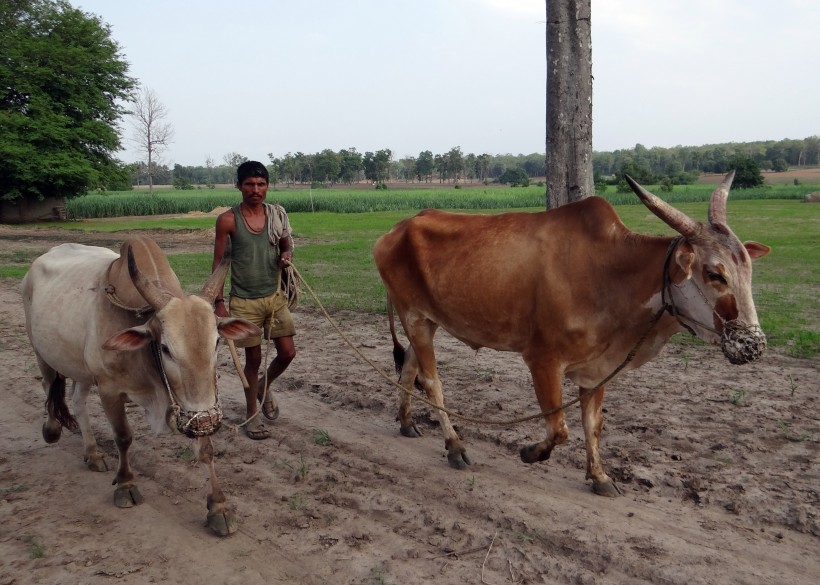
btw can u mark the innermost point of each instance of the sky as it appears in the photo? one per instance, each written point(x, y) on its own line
point(275, 76)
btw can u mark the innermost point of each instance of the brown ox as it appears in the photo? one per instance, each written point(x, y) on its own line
point(86, 318)
point(573, 291)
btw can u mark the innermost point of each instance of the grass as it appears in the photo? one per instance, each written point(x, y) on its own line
point(321, 437)
point(334, 256)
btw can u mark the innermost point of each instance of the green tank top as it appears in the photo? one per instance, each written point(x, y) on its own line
point(255, 269)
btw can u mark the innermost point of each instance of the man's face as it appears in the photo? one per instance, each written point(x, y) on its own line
point(254, 190)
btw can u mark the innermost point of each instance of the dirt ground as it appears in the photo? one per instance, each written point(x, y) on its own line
point(718, 464)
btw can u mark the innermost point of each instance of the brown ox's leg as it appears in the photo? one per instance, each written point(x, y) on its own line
point(221, 519)
point(546, 378)
point(593, 419)
point(93, 458)
point(421, 332)
point(126, 493)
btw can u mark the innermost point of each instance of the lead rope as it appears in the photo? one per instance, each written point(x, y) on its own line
point(630, 356)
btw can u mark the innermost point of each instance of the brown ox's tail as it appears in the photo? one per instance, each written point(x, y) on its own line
point(56, 406)
point(398, 348)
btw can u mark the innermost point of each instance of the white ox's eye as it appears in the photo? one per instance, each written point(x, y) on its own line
point(165, 350)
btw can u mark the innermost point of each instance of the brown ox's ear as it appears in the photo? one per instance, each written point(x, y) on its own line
point(684, 259)
point(756, 250)
point(236, 329)
point(129, 339)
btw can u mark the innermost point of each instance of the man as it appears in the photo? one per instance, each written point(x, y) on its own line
point(257, 236)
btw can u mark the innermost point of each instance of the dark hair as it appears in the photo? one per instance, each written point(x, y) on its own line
point(251, 168)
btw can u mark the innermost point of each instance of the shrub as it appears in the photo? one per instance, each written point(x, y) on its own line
point(182, 183)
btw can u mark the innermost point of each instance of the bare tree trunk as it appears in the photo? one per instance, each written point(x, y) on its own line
point(569, 102)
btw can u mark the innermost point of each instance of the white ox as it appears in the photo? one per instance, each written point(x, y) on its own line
point(86, 318)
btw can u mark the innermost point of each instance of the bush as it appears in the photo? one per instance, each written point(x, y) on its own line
point(600, 187)
point(623, 187)
point(182, 183)
point(515, 177)
point(457, 186)
point(666, 185)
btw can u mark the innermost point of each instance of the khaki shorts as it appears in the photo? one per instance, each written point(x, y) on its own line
point(269, 313)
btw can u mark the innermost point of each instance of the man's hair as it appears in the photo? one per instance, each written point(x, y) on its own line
point(251, 168)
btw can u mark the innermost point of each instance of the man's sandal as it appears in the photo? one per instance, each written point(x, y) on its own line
point(270, 410)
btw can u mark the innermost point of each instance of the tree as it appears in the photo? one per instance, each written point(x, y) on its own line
point(327, 166)
point(569, 102)
point(152, 133)
point(62, 80)
point(232, 161)
point(352, 166)
point(425, 165)
point(455, 163)
point(747, 172)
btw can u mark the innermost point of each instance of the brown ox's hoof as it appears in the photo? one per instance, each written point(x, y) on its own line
point(96, 463)
point(127, 497)
point(52, 432)
point(456, 454)
point(222, 521)
point(458, 459)
point(606, 489)
point(534, 453)
point(411, 431)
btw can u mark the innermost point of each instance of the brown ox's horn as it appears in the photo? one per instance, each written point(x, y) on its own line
point(717, 205)
point(152, 292)
point(217, 279)
point(677, 220)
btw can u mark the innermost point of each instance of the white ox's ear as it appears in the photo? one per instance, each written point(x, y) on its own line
point(129, 339)
point(756, 250)
point(236, 329)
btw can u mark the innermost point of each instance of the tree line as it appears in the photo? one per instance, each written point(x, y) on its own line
point(683, 164)
point(348, 166)
point(656, 165)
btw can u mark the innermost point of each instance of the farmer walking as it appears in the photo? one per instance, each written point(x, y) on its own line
point(257, 237)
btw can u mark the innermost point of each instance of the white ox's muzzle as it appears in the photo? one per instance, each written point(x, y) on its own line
point(201, 423)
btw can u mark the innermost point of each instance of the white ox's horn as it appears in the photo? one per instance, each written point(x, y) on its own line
point(153, 292)
point(217, 278)
point(717, 205)
point(677, 220)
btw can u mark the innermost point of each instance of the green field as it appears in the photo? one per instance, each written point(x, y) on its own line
point(334, 252)
point(169, 201)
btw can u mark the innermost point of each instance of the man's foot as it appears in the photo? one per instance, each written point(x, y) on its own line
point(258, 432)
point(270, 410)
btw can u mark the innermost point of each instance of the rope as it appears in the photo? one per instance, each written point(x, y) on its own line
point(630, 356)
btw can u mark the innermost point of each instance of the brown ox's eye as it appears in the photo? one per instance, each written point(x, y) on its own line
point(715, 277)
